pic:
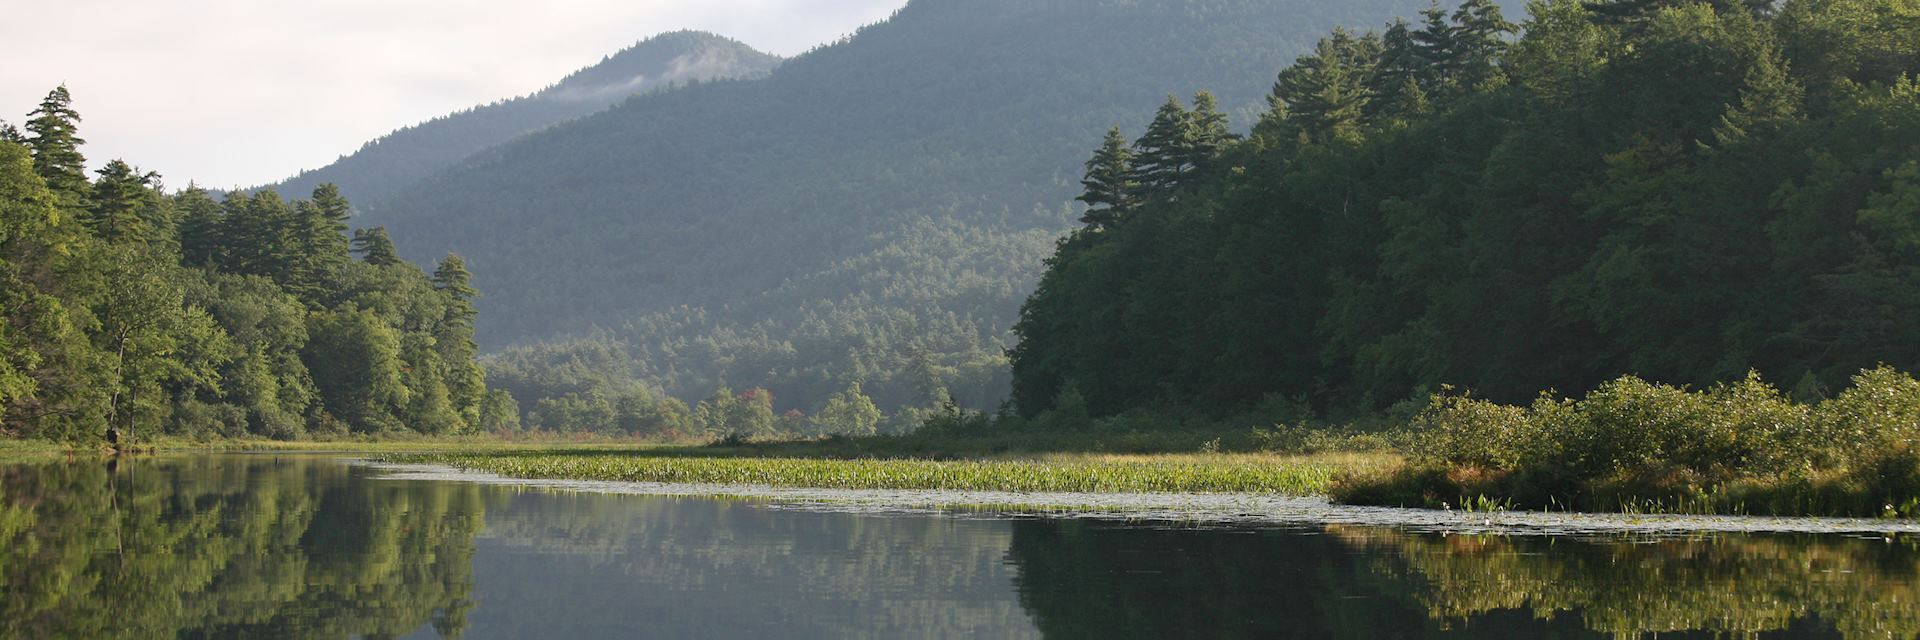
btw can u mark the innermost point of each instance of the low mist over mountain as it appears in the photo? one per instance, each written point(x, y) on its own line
point(874, 210)
point(408, 155)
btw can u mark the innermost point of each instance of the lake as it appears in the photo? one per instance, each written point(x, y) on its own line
point(298, 546)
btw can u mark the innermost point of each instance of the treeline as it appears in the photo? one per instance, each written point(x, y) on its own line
point(128, 310)
point(720, 245)
point(1683, 190)
point(590, 387)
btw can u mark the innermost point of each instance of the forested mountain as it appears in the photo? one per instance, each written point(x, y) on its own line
point(390, 163)
point(1678, 190)
point(873, 211)
point(126, 310)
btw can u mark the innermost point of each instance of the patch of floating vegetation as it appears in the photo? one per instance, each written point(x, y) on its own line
point(1304, 475)
point(1189, 508)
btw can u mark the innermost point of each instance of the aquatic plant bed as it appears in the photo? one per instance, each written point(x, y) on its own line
point(1183, 508)
point(1182, 473)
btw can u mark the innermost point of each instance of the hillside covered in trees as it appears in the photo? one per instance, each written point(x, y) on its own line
point(874, 211)
point(126, 310)
point(389, 164)
point(1682, 190)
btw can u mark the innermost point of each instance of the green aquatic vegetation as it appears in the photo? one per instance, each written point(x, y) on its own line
point(1189, 473)
point(1632, 446)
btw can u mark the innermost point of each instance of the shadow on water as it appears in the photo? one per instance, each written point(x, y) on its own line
point(303, 546)
point(1089, 579)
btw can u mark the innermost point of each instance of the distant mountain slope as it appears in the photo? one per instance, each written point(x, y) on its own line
point(872, 209)
point(408, 155)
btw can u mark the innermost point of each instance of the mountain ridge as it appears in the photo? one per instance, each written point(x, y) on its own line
point(389, 163)
point(717, 231)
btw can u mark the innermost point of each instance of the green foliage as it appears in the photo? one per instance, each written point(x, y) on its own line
point(1253, 474)
point(848, 413)
point(55, 142)
point(724, 414)
point(937, 155)
point(132, 313)
point(241, 547)
point(1687, 193)
point(1631, 444)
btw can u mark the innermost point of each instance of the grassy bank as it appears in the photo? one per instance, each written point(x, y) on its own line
point(1633, 446)
point(1103, 473)
point(16, 448)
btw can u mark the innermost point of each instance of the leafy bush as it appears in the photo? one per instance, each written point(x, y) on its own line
point(1637, 445)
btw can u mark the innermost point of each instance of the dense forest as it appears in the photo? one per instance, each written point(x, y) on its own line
point(389, 164)
point(129, 310)
point(1681, 190)
point(874, 211)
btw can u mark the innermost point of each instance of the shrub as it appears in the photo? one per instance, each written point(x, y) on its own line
point(1632, 444)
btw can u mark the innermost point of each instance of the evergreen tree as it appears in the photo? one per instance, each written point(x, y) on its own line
point(452, 278)
point(1159, 162)
point(55, 142)
point(10, 134)
point(1438, 49)
point(1208, 134)
point(328, 226)
point(1633, 13)
point(375, 248)
point(466, 382)
point(1395, 83)
point(1770, 99)
point(122, 198)
point(1109, 183)
point(201, 222)
point(1480, 38)
point(1325, 94)
point(319, 247)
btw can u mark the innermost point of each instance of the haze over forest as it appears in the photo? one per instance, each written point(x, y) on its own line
point(872, 211)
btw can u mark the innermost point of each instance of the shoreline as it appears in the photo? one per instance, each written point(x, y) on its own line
point(1185, 508)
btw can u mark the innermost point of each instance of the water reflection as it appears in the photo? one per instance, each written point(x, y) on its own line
point(572, 565)
point(1728, 585)
point(289, 547)
point(279, 548)
point(1089, 579)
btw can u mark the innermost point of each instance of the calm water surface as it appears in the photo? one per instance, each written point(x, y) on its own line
point(311, 546)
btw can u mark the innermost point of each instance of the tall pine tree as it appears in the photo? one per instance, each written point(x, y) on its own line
point(1159, 166)
point(1109, 183)
point(55, 142)
point(122, 200)
point(375, 247)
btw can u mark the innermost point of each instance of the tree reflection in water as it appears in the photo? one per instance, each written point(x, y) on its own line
point(292, 547)
point(210, 547)
point(1082, 579)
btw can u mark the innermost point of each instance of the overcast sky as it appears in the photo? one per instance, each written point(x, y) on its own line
point(246, 92)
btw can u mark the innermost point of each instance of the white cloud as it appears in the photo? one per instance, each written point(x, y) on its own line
point(244, 92)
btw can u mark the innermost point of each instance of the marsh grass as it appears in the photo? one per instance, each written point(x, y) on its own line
point(1087, 473)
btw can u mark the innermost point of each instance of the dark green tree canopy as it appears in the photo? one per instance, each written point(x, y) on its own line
point(1109, 182)
point(374, 247)
point(172, 313)
point(1698, 192)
